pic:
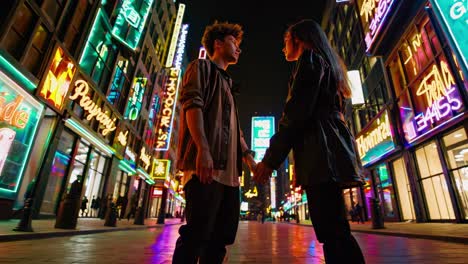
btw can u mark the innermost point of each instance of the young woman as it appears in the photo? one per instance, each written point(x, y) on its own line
point(313, 126)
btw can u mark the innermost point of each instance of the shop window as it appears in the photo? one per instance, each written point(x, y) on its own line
point(433, 183)
point(404, 190)
point(35, 56)
point(384, 189)
point(18, 36)
point(457, 154)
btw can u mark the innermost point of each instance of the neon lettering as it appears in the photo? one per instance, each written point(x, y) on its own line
point(10, 113)
point(374, 137)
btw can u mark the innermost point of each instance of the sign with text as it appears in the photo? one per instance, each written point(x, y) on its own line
point(376, 140)
point(164, 130)
point(19, 118)
point(263, 128)
point(374, 14)
point(161, 169)
point(453, 16)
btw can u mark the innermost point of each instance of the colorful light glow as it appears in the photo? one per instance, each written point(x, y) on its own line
point(374, 14)
point(19, 118)
point(145, 158)
point(273, 192)
point(136, 99)
point(202, 53)
point(56, 84)
point(376, 140)
point(263, 128)
point(127, 166)
point(175, 35)
point(454, 16)
point(251, 193)
point(117, 81)
point(75, 125)
point(157, 192)
point(161, 168)
point(122, 138)
point(146, 176)
point(23, 80)
point(94, 111)
point(167, 113)
point(130, 21)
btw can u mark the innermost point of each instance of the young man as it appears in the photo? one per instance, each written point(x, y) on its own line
point(211, 149)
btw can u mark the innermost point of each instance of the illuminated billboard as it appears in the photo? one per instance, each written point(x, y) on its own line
point(181, 46)
point(263, 128)
point(376, 139)
point(161, 168)
point(130, 21)
point(167, 113)
point(454, 19)
point(136, 98)
point(374, 14)
point(55, 87)
point(19, 118)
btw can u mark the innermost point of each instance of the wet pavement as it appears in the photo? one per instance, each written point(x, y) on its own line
point(256, 243)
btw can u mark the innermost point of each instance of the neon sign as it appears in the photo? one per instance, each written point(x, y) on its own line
point(373, 16)
point(439, 89)
point(251, 193)
point(202, 53)
point(167, 112)
point(56, 84)
point(130, 21)
point(161, 168)
point(134, 104)
point(94, 111)
point(175, 35)
point(263, 128)
point(181, 46)
point(117, 81)
point(454, 18)
point(376, 140)
point(122, 138)
point(19, 118)
point(145, 158)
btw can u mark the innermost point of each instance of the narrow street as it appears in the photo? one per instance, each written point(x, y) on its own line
point(256, 243)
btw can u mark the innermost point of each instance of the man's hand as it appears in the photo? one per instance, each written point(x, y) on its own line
point(262, 173)
point(204, 166)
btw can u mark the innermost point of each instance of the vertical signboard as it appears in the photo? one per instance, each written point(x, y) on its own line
point(19, 118)
point(453, 16)
point(263, 128)
point(136, 98)
point(167, 113)
point(175, 35)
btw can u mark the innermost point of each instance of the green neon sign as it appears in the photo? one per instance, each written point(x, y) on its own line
point(99, 47)
point(263, 128)
point(136, 99)
point(19, 118)
point(453, 16)
point(131, 21)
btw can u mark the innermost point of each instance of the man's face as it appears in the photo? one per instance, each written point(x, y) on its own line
point(229, 49)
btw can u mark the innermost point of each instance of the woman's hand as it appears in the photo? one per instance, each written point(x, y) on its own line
point(262, 173)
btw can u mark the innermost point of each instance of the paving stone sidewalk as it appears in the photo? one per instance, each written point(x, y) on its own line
point(437, 231)
point(44, 228)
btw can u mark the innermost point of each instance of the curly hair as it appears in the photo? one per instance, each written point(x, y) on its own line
point(220, 31)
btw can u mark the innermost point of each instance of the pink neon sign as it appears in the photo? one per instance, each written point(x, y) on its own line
point(373, 16)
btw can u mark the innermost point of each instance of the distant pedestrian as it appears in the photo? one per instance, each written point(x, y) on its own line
point(358, 213)
point(84, 206)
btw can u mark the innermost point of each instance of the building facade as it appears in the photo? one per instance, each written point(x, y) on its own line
point(411, 126)
point(81, 102)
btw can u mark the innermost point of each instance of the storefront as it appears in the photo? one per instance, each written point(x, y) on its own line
point(20, 115)
point(430, 92)
point(82, 152)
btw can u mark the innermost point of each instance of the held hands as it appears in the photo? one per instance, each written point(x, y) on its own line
point(204, 166)
point(262, 173)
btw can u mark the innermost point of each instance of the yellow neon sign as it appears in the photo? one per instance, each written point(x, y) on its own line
point(435, 85)
point(122, 138)
point(145, 158)
point(374, 137)
point(94, 111)
point(57, 82)
point(250, 193)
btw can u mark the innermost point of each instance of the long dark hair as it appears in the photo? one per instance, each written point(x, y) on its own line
point(311, 34)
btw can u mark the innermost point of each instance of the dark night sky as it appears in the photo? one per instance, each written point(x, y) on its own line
point(261, 71)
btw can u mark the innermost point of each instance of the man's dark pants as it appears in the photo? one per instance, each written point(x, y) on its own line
point(328, 215)
point(212, 213)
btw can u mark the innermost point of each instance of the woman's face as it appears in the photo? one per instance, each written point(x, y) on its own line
point(292, 48)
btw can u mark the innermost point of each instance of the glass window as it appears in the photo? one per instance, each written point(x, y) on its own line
point(385, 189)
point(433, 183)
point(403, 189)
point(457, 154)
point(35, 56)
point(74, 21)
point(18, 36)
